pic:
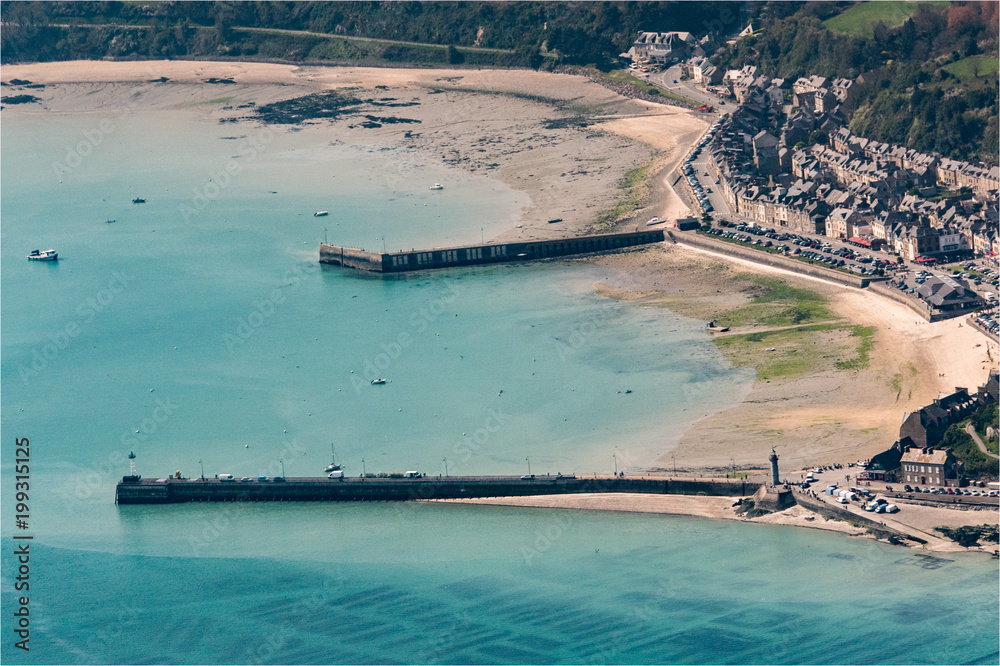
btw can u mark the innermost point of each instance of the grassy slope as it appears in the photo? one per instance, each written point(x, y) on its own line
point(963, 68)
point(861, 18)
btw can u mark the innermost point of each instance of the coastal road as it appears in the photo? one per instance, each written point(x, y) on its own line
point(666, 78)
point(719, 203)
point(971, 429)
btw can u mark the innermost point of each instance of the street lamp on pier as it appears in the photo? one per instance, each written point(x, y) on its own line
point(445, 460)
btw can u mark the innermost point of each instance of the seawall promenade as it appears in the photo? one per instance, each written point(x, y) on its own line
point(697, 240)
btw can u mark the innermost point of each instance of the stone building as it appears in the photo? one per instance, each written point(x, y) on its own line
point(928, 467)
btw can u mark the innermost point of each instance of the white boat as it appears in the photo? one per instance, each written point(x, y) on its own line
point(47, 255)
point(379, 381)
point(321, 213)
point(333, 466)
point(654, 220)
point(437, 186)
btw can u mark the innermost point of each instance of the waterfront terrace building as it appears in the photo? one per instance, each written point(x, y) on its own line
point(841, 223)
point(662, 47)
point(927, 466)
point(926, 426)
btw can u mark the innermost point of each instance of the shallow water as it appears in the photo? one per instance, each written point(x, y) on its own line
point(202, 332)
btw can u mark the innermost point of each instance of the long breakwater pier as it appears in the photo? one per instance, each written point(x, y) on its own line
point(133, 490)
point(487, 253)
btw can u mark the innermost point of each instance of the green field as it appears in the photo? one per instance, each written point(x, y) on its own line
point(860, 19)
point(973, 66)
point(778, 304)
point(801, 350)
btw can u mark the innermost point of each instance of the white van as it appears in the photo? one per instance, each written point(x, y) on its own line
point(336, 474)
point(412, 475)
point(225, 477)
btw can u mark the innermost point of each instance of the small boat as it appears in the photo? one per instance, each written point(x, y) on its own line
point(558, 219)
point(436, 186)
point(379, 381)
point(321, 213)
point(333, 466)
point(110, 221)
point(137, 200)
point(654, 220)
point(47, 255)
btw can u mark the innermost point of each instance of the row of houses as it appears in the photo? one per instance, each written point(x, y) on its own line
point(982, 180)
point(913, 458)
point(868, 190)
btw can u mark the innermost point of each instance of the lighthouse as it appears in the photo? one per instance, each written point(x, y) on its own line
point(774, 467)
point(133, 477)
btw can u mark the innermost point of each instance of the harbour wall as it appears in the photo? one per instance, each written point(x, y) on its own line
point(321, 489)
point(488, 253)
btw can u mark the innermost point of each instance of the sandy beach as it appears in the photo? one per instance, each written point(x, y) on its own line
point(913, 519)
point(822, 417)
point(564, 141)
point(567, 143)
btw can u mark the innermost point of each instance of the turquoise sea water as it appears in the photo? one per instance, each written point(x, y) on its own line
point(199, 327)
